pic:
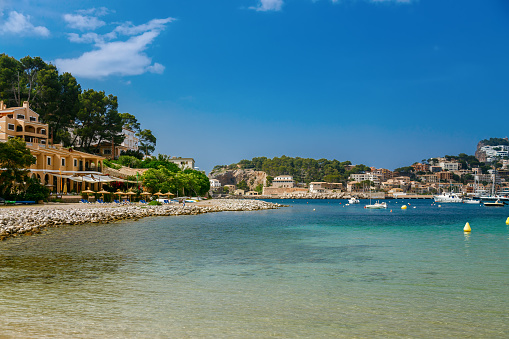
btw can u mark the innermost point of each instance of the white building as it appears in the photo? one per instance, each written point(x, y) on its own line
point(283, 181)
point(183, 163)
point(494, 152)
point(215, 184)
point(375, 178)
point(130, 141)
point(450, 166)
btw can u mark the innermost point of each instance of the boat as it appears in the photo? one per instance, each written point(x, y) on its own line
point(353, 200)
point(377, 205)
point(497, 203)
point(472, 201)
point(448, 197)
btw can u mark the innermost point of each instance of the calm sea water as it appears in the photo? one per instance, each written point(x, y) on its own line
point(318, 269)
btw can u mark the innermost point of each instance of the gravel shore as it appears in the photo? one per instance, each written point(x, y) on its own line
point(17, 220)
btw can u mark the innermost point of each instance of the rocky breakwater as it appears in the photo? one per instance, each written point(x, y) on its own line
point(18, 220)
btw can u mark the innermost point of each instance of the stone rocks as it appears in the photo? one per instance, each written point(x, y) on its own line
point(14, 221)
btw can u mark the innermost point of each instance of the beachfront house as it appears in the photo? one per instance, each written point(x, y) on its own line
point(61, 169)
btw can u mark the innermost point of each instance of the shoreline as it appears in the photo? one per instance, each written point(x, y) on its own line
point(32, 219)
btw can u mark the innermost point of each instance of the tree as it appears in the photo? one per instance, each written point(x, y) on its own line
point(129, 121)
point(15, 159)
point(242, 185)
point(98, 120)
point(147, 141)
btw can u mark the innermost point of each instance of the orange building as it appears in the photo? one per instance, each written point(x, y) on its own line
point(61, 169)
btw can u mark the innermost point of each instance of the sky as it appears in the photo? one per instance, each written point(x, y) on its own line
point(384, 83)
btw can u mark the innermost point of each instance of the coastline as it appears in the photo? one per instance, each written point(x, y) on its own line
point(31, 219)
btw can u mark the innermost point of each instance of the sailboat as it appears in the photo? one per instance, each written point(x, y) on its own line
point(376, 205)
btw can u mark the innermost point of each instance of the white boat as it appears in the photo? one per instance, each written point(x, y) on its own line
point(377, 205)
point(472, 201)
point(448, 197)
point(353, 200)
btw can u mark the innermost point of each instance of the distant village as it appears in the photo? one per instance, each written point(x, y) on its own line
point(420, 180)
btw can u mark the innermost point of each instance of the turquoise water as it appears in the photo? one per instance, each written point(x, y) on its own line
point(318, 269)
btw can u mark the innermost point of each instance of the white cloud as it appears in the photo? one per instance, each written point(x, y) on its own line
point(20, 24)
point(83, 22)
point(268, 5)
point(112, 56)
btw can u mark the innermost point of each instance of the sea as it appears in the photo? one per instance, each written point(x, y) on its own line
point(315, 269)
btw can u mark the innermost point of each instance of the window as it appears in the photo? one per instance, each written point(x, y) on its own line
point(75, 162)
point(48, 161)
point(19, 128)
point(33, 119)
point(35, 158)
point(107, 151)
point(20, 116)
point(10, 127)
point(43, 142)
point(43, 131)
point(63, 161)
point(10, 116)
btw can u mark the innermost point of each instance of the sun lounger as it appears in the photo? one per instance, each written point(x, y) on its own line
point(116, 201)
point(84, 201)
point(143, 202)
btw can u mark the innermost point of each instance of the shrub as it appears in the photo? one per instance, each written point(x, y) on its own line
point(155, 203)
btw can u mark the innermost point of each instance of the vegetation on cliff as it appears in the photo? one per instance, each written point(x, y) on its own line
point(495, 142)
point(302, 169)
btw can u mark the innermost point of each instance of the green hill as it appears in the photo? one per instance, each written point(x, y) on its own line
point(302, 169)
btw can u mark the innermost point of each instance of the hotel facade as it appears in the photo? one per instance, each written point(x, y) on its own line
point(61, 169)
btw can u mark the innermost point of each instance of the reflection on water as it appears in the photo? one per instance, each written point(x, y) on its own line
point(295, 272)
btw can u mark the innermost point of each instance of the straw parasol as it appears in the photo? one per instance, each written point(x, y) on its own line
point(129, 193)
point(103, 192)
point(159, 193)
point(88, 192)
point(146, 193)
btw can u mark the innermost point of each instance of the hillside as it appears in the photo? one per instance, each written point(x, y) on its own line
point(302, 169)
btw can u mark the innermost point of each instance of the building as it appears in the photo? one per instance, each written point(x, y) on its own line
point(495, 152)
point(418, 167)
point(444, 175)
point(22, 122)
point(375, 178)
point(183, 163)
point(383, 173)
point(450, 166)
point(283, 181)
point(324, 187)
point(215, 184)
point(130, 141)
point(61, 169)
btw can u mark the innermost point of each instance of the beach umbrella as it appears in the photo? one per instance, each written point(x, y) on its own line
point(103, 192)
point(146, 193)
point(130, 193)
point(65, 188)
point(159, 193)
point(88, 192)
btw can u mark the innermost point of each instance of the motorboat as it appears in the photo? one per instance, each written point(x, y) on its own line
point(377, 205)
point(497, 203)
point(353, 200)
point(448, 197)
point(472, 201)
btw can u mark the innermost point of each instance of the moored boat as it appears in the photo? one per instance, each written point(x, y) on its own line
point(377, 205)
point(448, 197)
point(353, 200)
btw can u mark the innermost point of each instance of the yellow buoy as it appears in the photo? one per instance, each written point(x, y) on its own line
point(403, 207)
point(507, 221)
point(467, 227)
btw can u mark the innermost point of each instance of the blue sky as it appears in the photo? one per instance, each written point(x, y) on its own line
point(385, 83)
